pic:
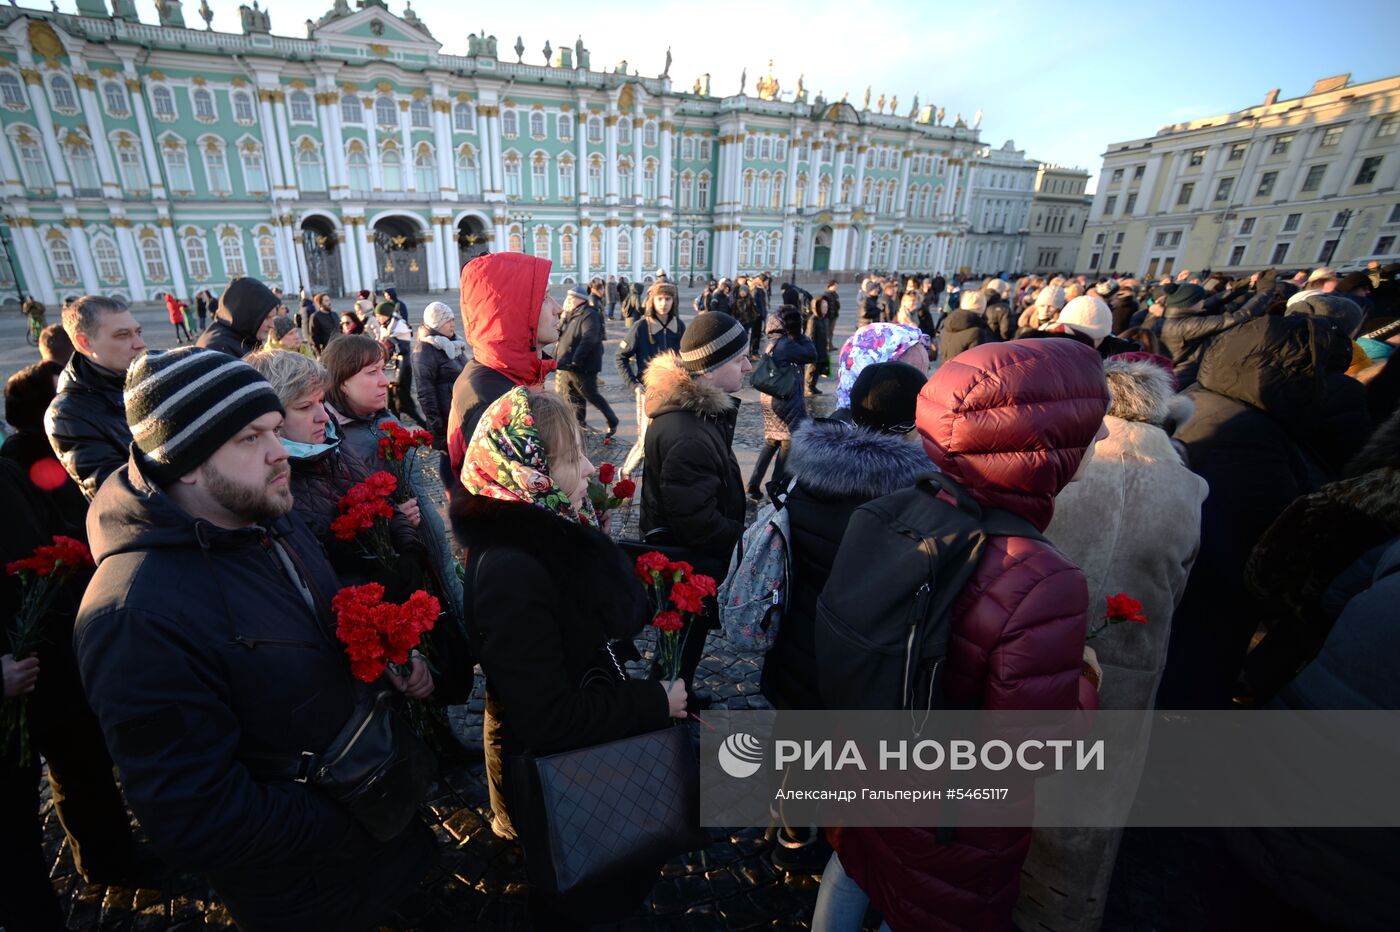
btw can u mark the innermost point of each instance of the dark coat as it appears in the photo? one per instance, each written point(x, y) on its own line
point(235, 331)
point(434, 376)
point(581, 341)
point(721, 301)
point(1185, 334)
point(644, 342)
point(198, 649)
point(962, 330)
point(1257, 399)
point(781, 416)
point(838, 468)
point(692, 485)
point(870, 311)
point(324, 326)
point(86, 423)
point(1000, 321)
point(1112, 346)
point(472, 393)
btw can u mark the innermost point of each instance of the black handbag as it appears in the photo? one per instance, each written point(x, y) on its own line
point(608, 812)
point(376, 767)
point(773, 378)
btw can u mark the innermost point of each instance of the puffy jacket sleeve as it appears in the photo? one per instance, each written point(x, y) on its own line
point(800, 351)
point(590, 337)
point(518, 612)
point(691, 489)
point(174, 738)
point(85, 450)
point(427, 370)
point(1036, 663)
point(627, 353)
point(1191, 329)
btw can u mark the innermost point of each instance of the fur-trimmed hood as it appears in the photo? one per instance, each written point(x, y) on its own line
point(1142, 391)
point(670, 386)
point(835, 459)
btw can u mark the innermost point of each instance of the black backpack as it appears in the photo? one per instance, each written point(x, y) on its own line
point(885, 612)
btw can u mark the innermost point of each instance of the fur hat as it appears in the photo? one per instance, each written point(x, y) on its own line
point(1141, 390)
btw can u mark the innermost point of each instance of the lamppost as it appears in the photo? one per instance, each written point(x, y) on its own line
point(797, 227)
point(1345, 216)
point(10, 259)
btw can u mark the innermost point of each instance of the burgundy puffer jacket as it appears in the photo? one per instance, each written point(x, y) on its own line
point(1010, 423)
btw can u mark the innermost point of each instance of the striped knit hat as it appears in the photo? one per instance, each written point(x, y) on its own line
point(711, 340)
point(184, 404)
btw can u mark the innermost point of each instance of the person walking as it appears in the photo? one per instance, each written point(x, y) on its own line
point(660, 331)
point(612, 296)
point(176, 309)
point(202, 300)
point(580, 359)
point(833, 313)
point(816, 328)
point(781, 416)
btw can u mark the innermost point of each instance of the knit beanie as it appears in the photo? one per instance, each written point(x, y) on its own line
point(247, 299)
point(281, 326)
point(579, 292)
point(711, 341)
point(182, 405)
point(885, 397)
point(1051, 296)
point(1186, 295)
point(385, 309)
point(1089, 315)
point(436, 314)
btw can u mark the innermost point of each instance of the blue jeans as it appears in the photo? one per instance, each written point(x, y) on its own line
point(841, 903)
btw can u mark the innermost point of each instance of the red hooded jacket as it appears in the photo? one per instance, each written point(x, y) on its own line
point(501, 297)
point(175, 308)
point(1010, 423)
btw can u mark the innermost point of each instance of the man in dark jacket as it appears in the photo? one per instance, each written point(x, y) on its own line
point(833, 311)
point(691, 486)
point(870, 305)
point(581, 359)
point(962, 330)
point(206, 647)
point(86, 422)
point(325, 326)
point(1188, 326)
point(721, 299)
point(242, 320)
point(888, 301)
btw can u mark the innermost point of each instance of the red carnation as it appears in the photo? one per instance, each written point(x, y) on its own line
point(668, 622)
point(686, 597)
point(649, 563)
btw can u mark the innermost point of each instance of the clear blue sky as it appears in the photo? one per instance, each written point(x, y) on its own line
point(1063, 79)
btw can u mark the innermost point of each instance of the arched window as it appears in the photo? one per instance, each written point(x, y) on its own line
point(267, 256)
point(649, 133)
point(564, 124)
point(311, 173)
point(595, 246)
point(567, 257)
point(351, 111)
point(512, 165)
point(702, 245)
point(624, 132)
point(702, 191)
point(683, 255)
point(65, 269)
point(64, 100)
point(386, 113)
point(566, 177)
point(391, 167)
point(847, 184)
point(537, 124)
point(765, 147)
point(824, 191)
point(216, 167)
point(750, 149)
point(779, 190)
point(425, 169)
point(539, 176)
point(649, 180)
point(231, 251)
point(419, 114)
point(801, 189)
point(775, 248)
point(130, 164)
point(11, 91)
point(595, 177)
point(463, 118)
point(687, 148)
point(624, 179)
point(867, 194)
point(109, 262)
point(595, 129)
point(649, 247)
point(177, 166)
point(542, 241)
point(152, 257)
point(204, 105)
point(113, 98)
point(686, 192)
point(254, 177)
point(243, 107)
point(33, 166)
point(299, 103)
point(745, 249)
point(910, 202)
point(357, 165)
point(780, 149)
point(624, 249)
point(515, 242)
point(887, 205)
point(468, 179)
point(764, 194)
point(162, 103)
point(82, 165)
point(196, 257)
point(510, 124)
point(747, 195)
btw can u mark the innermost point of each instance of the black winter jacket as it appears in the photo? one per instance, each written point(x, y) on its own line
point(962, 330)
point(581, 341)
point(838, 467)
point(235, 333)
point(870, 311)
point(645, 341)
point(692, 485)
point(1000, 320)
point(198, 649)
point(796, 352)
point(324, 327)
point(86, 423)
point(720, 301)
point(434, 375)
point(1185, 334)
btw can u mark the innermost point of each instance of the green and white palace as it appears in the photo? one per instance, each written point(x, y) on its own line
point(140, 159)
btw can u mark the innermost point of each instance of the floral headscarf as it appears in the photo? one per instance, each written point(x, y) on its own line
point(870, 344)
point(506, 460)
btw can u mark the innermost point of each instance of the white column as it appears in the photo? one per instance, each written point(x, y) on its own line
point(902, 196)
point(485, 145)
point(284, 145)
point(581, 142)
point(286, 257)
point(409, 173)
point(442, 133)
point(610, 190)
point(148, 141)
point(814, 175)
point(862, 156)
point(131, 264)
point(585, 246)
point(638, 156)
point(31, 261)
point(173, 256)
point(668, 130)
point(272, 147)
point(106, 168)
point(967, 198)
point(77, 241)
point(13, 187)
point(838, 170)
point(376, 168)
point(365, 243)
point(299, 252)
point(498, 173)
point(44, 118)
point(451, 255)
point(331, 149)
point(349, 258)
point(434, 253)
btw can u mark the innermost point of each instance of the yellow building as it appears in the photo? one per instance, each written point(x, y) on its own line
point(1292, 183)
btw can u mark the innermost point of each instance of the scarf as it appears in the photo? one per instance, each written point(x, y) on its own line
point(506, 461)
point(453, 348)
point(873, 343)
point(307, 451)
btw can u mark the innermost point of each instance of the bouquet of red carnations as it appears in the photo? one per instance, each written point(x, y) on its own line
point(677, 596)
point(379, 635)
point(606, 494)
point(365, 513)
point(40, 576)
point(396, 442)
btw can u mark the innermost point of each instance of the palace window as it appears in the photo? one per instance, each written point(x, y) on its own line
point(649, 247)
point(1266, 184)
point(65, 268)
point(510, 124)
point(310, 172)
point(595, 177)
point(468, 180)
point(537, 124)
point(765, 148)
point(595, 247)
point(113, 98)
point(686, 193)
point(1281, 143)
point(351, 110)
point(216, 169)
point(1368, 170)
point(196, 258)
point(12, 91)
point(204, 105)
point(539, 178)
point(1313, 179)
point(747, 196)
point(649, 133)
point(779, 190)
point(824, 191)
point(564, 125)
point(425, 169)
point(1333, 135)
point(687, 148)
point(133, 169)
point(702, 243)
point(391, 167)
point(624, 179)
point(567, 257)
point(595, 130)
point(64, 100)
point(231, 250)
point(624, 132)
point(243, 108)
point(706, 150)
point(357, 165)
point(420, 116)
point(153, 258)
point(542, 242)
point(463, 118)
point(267, 256)
point(512, 167)
point(82, 166)
point(109, 263)
point(649, 180)
point(386, 112)
point(702, 191)
point(177, 166)
point(750, 153)
point(624, 249)
point(299, 104)
point(566, 178)
point(254, 177)
point(162, 103)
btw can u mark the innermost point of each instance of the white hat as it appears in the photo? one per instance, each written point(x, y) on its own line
point(1089, 315)
point(1322, 274)
point(437, 314)
point(1051, 296)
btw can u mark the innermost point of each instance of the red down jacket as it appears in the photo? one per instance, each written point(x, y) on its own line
point(1010, 423)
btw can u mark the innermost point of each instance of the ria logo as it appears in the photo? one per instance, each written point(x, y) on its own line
point(741, 755)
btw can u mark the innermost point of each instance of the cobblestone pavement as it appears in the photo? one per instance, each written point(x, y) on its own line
point(1164, 880)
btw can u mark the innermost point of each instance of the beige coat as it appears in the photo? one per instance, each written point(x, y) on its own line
point(1132, 523)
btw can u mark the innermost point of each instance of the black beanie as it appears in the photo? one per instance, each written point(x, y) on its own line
point(184, 404)
point(712, 340)
point(886, 395)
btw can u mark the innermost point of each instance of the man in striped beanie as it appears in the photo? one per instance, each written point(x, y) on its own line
point(691, 484)
point(205, 647)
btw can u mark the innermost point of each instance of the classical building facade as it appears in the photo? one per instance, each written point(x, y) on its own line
point(1296, 182)
point(141, 159)
point(1059, 209)
point(1003, 184)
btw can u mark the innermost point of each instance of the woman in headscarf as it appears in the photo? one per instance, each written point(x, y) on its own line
point(873, 343)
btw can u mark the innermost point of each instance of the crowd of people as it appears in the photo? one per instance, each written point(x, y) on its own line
point(1225, 450)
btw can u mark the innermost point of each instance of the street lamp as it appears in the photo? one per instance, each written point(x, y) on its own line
point(797, 226)
point(1345, 216)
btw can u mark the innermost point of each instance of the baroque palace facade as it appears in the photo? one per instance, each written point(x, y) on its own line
point(141, 159)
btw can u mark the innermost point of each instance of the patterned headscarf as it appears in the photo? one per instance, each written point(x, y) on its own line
point(873, 343)
point(506, 460)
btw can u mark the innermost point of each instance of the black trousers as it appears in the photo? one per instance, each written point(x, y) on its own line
point(765, 456)
point(581, 390)
point(27, 900)
point(755, 336)
point(181, 329)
